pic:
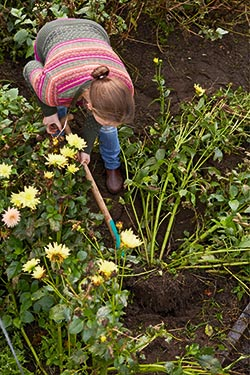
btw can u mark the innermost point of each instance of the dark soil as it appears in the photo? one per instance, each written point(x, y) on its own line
point(185, 303)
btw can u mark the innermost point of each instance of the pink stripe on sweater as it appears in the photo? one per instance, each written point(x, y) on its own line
point(38, 84)
point(82, 53)
point(70, 78)
point(80, 40)
point(51, 66)
point(36, 54)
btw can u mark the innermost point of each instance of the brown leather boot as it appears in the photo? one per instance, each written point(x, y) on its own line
point(114, 180)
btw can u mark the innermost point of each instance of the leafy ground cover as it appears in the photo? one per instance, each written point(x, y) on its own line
point(170, 303)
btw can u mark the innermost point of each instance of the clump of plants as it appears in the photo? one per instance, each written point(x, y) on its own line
point(73, 293)
point(20, 24)
point(56, 274)
point(61, 287)
point(170, 170)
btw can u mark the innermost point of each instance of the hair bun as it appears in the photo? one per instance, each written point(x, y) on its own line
point(100, 72)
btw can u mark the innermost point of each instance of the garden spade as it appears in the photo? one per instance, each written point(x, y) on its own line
point(99, 200)
point(97, 195)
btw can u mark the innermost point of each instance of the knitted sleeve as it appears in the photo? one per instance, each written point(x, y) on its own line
point(34, 76)
point(89, 131)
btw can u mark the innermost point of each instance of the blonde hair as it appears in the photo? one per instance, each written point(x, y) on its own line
point(110, 98)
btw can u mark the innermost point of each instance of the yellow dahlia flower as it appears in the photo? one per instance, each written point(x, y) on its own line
point(72, 168)
point(75, 141)
point(38, 272)
point(56, 160)
point(5, 170)
point(199, 90)
point(68, 152)
point(96, 280)
point(107, 269)
point(57, 252)
point(30, 265)
point(26, 198)
point(48, 175)
point(129, 239)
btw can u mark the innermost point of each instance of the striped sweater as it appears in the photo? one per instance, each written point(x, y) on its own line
point(66, 52)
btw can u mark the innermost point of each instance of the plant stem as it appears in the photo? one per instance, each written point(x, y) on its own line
point(33, 351)
point(161, 368)
point(245, 287)
point(134, 209)
point(169, 227)
point(157, 215)
point(123, 271)
point(205, 234)
point(58, 293)
point(212, 265)
point(59, 346)
point(184, 258)
point(26, 337)
point(174, 211)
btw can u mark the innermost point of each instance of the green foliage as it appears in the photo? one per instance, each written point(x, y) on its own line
point(8, 363)
point(170, 171)
point(54, 276)
point(19, 24)
point(26, 30)
point(78, 321)
point(16, 116)
point(61, 204)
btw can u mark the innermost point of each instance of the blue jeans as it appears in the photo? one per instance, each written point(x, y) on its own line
point(108, 143)
point(61, 111)
point(109, 147)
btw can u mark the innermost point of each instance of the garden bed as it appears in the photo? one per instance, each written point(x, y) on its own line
point(196, 307)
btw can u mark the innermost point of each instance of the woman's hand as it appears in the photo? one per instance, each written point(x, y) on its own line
point(52, 124)
point(83, 157)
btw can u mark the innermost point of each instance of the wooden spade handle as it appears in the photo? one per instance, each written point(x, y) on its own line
point(97, 194)
point(99, 199)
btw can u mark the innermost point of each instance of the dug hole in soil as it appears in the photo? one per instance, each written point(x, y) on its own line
point(185, 303)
